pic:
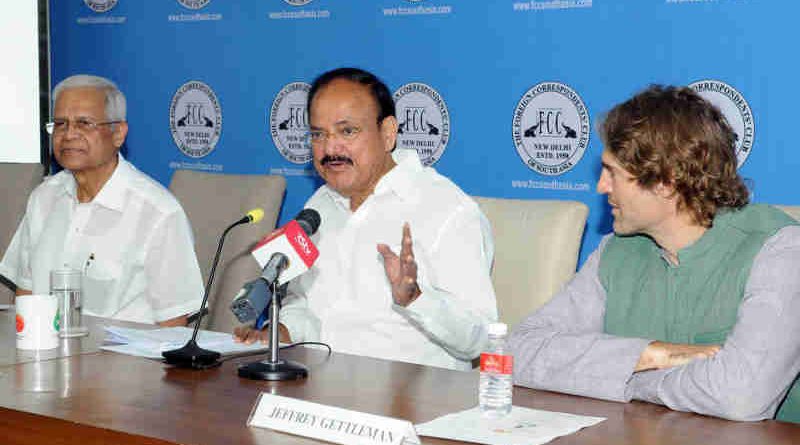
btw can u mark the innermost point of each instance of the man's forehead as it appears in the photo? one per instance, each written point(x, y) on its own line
point(608, 159)
point(339, 123)
point(343, 100)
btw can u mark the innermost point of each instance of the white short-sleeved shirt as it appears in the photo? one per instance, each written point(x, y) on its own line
point(345, 299)
point(132, 241)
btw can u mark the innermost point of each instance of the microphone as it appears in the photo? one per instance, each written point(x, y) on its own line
point(292, 241)
point(253, 216)
point(287, 252)
point(253, 298)
point(191, 355)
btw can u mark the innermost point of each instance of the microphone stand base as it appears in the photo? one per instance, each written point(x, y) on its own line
point(192, 356)
point(280, 370)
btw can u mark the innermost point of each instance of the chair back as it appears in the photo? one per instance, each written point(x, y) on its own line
point(213, 201)
point(536, 251)
point(17, 181)
point(793, 211)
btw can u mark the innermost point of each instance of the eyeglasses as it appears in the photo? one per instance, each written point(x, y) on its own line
point(347, 133)
point(82, 125)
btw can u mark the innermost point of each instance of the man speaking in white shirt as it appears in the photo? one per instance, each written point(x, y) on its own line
point(405, 255)
point(102, 216)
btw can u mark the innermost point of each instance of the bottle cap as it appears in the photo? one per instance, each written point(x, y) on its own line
point(497, 329)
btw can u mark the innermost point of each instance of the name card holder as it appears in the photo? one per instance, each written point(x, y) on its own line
point(329, 423)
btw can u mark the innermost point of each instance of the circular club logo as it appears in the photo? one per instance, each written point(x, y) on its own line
point(100, 5)
point(736, 110)
point(551, 128)
point(298, 2)
point(195, 119)
point(288, 122)
point(423, 122)
point(194, 4)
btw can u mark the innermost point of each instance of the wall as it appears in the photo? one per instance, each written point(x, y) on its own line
point(20, 126)
point(218, 78)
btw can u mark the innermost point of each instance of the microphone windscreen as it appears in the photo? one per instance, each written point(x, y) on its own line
point(309, 220)
point(255, 215)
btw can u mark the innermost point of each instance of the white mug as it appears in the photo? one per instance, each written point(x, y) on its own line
point(37, 321)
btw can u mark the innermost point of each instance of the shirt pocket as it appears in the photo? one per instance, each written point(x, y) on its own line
point(377, 290)
point(99, 288)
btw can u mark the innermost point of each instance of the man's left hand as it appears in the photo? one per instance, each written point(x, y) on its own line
point(660, 355)
point(401, 270)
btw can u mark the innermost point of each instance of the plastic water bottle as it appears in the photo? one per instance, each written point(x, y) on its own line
point(495, 387)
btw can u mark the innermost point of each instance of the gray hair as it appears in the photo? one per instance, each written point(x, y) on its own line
point(115, 100)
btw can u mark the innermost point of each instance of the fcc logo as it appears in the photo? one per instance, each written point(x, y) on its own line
point(551, 128)
point(194, 4)
point(423, 121)
point(288, 122)
point(100, 5)
point(195, 119)
point(736, 111)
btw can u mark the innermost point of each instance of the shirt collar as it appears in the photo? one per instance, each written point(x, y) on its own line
point(708, 240)
point(400, 180)
point(112, 194)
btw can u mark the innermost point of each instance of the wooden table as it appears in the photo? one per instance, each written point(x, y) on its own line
point(9, 354)
point(103, 397)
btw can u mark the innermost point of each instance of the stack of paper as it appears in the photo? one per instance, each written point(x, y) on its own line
point(523, 426)
point(151, 343)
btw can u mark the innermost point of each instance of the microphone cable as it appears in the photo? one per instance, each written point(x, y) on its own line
point(263, 350)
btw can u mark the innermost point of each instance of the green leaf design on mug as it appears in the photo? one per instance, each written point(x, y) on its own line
point(57, 321)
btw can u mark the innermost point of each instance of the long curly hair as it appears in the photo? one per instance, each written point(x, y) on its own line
point(672, 136)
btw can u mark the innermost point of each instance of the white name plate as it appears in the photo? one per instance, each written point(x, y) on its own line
point(329, 423)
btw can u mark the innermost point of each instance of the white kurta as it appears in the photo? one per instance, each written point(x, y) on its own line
point(345, 299)
point(132, 241)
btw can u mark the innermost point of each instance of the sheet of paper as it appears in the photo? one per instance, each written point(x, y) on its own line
point(151, 343)
point(523, 426)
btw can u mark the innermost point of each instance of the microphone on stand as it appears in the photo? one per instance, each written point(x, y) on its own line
point(284, 255)
point(191, 355)
point(287, 252)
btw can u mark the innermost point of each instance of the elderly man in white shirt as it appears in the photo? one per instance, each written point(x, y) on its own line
point(100, 215)
point(376, 290)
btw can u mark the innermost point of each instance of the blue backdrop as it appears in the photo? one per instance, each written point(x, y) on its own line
point(501, 95)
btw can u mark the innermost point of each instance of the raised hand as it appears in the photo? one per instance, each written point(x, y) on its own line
point(401, 270)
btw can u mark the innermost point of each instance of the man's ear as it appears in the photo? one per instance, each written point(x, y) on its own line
point(389, 133)
point(120, 132)
point(664, 190)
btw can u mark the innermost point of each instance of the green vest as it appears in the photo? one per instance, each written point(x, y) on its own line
point(695, 302)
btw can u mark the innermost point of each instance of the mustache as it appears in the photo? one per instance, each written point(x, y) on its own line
point(328, 159)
